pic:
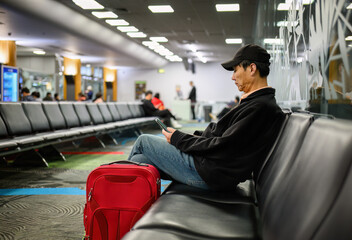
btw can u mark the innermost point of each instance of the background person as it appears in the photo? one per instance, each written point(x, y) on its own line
point(26, 96)
point(157, 102)
point(165, 115)
point(48, 97)
point(193, 97)
point(98, 98)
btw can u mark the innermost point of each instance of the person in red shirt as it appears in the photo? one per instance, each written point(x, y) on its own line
point(157, 102)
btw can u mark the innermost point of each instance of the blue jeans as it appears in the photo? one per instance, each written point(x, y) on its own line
point(158, 152)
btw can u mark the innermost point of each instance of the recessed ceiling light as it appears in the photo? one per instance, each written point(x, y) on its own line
point(158, 39)
point(307, 2)
point(349, 6)
point(233, 40)
point(137, 35)
point(174, 58)
point(128, 29)
point(227, 7)
point(117, 22)
point(273, 41)
point(161, 8)
point(348, 38)
point(39, 52)
point(285, 7)
point(104, 14)
point(88, 4)
point(150, 43)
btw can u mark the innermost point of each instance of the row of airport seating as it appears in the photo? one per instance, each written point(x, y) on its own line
point(34, 127)
point(303, 191)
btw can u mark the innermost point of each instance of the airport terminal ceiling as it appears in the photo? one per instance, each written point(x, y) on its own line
point(195, 30)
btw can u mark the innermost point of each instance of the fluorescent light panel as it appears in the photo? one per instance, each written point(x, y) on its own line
point(39, 52)
point(108, 14)
point(161, 8)
point(233, 40)
point(158, 39)
point(348, 38)
point(349, 6)
point(285, 23)
point(227, 7)
point(285, 7)
point(117, 22)
point(128, 29)
point(150, 43)
point(88, 4)
point(273, 41)
point(137, 34)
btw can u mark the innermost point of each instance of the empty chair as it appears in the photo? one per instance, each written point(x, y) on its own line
point(56, 119)
point(281, 159)
point(39, 121)
point(114, 112)
point(105, 113)
point(84, 116)
point(307, 195)
point(97, 117)
point(71, 118)
point(124, 111)
point(18, 124)
point(5, 142)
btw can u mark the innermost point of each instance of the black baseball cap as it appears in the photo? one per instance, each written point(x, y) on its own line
point(249, 52)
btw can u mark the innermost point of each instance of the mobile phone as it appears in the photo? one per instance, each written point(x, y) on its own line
point(161, 124)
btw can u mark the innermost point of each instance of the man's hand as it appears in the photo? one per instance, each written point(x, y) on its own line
point(168, 135)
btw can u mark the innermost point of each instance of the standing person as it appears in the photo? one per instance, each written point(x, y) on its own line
point(89, 93)
point(193, 97)
point(26, 96)
point(48, 97)
point(166, 115)
point(228, 152)
point(157, 102)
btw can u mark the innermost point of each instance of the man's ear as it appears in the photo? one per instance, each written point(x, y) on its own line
point(253, 68)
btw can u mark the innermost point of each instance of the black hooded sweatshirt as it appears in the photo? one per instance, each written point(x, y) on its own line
point(227, 152)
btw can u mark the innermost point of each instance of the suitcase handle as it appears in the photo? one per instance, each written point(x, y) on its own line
point(126, 162)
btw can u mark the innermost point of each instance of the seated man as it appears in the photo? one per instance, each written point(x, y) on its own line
point(151, 110)
point(229, 151)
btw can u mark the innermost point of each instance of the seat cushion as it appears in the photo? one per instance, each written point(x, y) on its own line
point(243, 193)
point(198, 219)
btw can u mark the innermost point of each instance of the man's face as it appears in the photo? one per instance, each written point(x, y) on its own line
point(148, 96)
point(242, 78)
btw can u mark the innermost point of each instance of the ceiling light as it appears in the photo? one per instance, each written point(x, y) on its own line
point(307, 2)
point(285, 23)
point(104, 14)
point(349, 6)
point(161, 8)
point(233, 40)
point(88, 4)
point(273, 41)
point(39, 52)
point(227, 7)
point(174, 58)
point(150, 43)
point(117, 22)
point(128, 29)
point(285, 7)
point(158, 39)
point(348, 38)
point(137, 35)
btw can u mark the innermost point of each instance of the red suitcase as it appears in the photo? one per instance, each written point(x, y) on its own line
point(117, 195)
